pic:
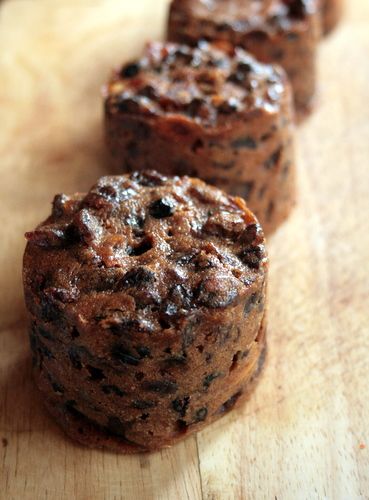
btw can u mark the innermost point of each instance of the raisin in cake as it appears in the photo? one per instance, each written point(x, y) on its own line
point(146, 302)
point(215, 114)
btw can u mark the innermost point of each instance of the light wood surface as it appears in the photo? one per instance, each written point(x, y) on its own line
point(305, 432)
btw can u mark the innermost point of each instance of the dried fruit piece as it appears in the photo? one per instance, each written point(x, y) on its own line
point(124, 356)
point(217, 291)
point(116, 427)
point(162, 208)
point(130, 70)
point(201, 415)
point(138, 277)
point(244, 142)
point(160, 386)
point(180, 405)
point(48, 236)
point(113, 390)
point(140, 404)
point(230, 403)
point(252, 257)
point(210, 378)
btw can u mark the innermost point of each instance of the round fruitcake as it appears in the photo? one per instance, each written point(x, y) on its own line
point(205, 112)
point(274, 31)
point(146, 302)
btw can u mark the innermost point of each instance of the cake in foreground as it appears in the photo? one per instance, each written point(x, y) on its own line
point(214, 114)
point(146, 302)
point(331, 14)
point(274, 31)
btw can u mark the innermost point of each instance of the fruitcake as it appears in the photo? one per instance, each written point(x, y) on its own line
point(331, 14)
point(146, 300)
point(274, 31)
point(207, 112)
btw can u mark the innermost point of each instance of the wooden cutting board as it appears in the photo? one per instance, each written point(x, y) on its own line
point(305, 432)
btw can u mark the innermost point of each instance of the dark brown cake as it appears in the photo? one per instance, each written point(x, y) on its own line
point(274, 31)
point(146, 301)
point(218, 115)
point(331, 14)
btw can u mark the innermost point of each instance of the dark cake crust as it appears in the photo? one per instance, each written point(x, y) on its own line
point(215, 114)
point(146, 302)
point(274, 31)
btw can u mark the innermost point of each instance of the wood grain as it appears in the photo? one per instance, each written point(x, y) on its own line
point(305, 432)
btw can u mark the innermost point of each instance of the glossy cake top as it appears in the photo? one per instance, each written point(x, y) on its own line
point(208, 84)
point(146, 246)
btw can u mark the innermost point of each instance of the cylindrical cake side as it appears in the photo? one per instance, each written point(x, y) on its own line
point(135, 358)
point(112, 434)
point(151, 402)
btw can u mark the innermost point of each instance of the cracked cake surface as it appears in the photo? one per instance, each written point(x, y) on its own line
point(204, 82)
